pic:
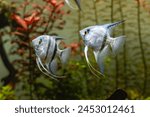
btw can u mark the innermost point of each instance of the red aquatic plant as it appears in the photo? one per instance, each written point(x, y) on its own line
point(39, 16)
point(75, 47)
point(25, 24)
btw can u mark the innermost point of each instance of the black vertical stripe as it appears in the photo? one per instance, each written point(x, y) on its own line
point(47, 49)
point(116, 23)
point(103, 43)
point(54, 53)
point(53, 56)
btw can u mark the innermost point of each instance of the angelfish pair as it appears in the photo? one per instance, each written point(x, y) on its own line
point(96, 37)
point(99, 39)
point(47, 53)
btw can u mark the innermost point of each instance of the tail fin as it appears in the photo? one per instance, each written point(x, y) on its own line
point(117, 43)
point(64, 55)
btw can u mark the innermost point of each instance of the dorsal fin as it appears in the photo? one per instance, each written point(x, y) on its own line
point(57, 38)
point(112, 25)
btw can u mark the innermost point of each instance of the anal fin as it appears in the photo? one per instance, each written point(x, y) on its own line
point(39, 66)
point(47, 72)
point(101, 56)
point(52, 67)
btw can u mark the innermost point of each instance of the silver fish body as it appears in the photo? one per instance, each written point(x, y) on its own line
point(47, 50)
point(98, 38)
point(44, 47)
point(92, 36)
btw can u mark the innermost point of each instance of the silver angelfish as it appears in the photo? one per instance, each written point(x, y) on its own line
point(98, 38)
point(47, 50)
point(71, 6)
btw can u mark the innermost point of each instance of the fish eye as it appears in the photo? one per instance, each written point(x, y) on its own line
point(40, 41)
point(87, 31)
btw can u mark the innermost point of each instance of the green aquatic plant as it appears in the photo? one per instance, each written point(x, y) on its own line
point(7, 93)
point(95, 10)
point(142, 48)
point(124, 48)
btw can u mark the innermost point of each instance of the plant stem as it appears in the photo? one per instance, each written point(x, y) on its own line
point(50, 20)
point(30, 67)
point(112, 10)
point(142, 49)
point(124, 48)
point(11, 77)
point(84, 80)
point(79, 28)
point(30, 60)
point(95, 12)
point(79, 24)
point(116, 58)
point(117, 72)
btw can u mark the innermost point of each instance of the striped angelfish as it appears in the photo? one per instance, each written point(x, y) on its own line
point(47, 52)
point(98, 38)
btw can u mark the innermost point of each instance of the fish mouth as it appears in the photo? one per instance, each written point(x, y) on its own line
point(82, 35)
point(34, 42)
point(81, 31)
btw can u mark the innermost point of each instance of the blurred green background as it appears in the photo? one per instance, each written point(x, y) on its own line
point(129, 70)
